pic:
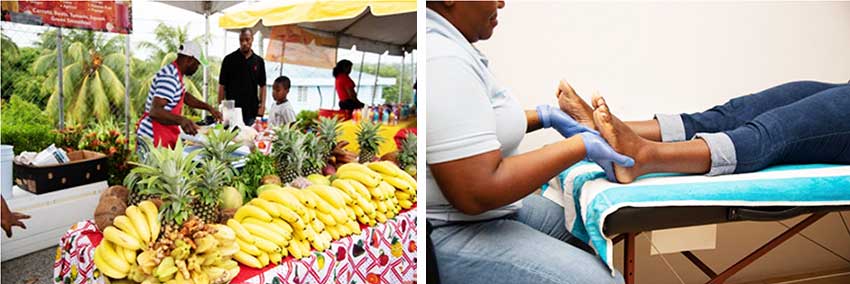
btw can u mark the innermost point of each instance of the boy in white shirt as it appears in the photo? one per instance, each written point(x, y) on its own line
point(282, 112)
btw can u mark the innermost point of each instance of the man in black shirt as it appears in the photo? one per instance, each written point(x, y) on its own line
point(242, 72)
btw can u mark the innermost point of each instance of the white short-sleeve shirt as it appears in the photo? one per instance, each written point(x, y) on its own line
point(468, 113)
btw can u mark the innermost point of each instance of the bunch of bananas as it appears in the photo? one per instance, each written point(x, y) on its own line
point(285, 221)
point(116, 254)
point(206, 260)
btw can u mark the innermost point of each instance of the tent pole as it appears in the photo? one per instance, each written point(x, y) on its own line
point(321, 97)
point(282, 55)
point(336, 56)
point(377, 74)
point(206, 68)
point(127, 60)
point(59, 62)
point(401, 80)
point(362, 58)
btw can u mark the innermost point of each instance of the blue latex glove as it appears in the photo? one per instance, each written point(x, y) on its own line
point(600, 152)
point(562, 122)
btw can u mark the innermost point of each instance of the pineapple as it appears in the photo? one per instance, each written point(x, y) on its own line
point(407, 154)
point(288, 152)
point(214, 175)
point(167, 174)
point(220, 146)
point(328, 130)
point(369, 140)
point(316, 157)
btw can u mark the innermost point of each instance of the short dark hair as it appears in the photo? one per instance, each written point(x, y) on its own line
point(249, 30)
point(341, 65)
point(283, 81)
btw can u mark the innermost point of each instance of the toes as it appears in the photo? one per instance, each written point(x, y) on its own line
point(566, 88)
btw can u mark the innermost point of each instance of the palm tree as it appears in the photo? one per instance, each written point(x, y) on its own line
point(92, 76)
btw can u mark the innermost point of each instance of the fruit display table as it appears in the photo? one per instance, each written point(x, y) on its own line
point(385, 253)
point(349, 130)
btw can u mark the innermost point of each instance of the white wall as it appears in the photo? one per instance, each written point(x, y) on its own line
point(308, 98)
point(665, 57)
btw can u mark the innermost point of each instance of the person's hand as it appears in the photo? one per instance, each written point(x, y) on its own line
point(217, 114)
point(262, 110)
point(600, 152)
point(562, 122)
point(11, 219)
point(188, 126)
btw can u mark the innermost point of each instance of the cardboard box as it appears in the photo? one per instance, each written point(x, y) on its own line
point(85, 167)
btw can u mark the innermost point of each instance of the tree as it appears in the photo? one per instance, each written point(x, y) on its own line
point(92, 85)
point(390, 93)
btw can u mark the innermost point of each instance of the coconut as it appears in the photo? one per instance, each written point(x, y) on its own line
point(107, 209)
point(118, 191)
point(271, 179)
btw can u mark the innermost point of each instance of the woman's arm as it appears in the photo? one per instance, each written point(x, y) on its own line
point(487, 181)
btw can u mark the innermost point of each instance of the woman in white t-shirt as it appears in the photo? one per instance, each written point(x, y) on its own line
point(489, 227)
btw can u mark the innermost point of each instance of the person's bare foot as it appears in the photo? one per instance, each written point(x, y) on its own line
point(573, 105)
point(623, 139)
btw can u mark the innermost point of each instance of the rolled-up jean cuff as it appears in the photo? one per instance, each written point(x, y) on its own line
point(672, 127)
point(723, 158)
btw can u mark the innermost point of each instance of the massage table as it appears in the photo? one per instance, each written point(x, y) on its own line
point(602, 213)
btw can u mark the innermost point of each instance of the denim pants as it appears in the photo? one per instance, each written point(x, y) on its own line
point(529, 246)
point(794, 123)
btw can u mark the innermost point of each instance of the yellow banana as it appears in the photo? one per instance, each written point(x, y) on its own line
point(381, 206)
point(365, 179)
point(152, 216)
point(284, 198)
point(368, 207)
point(361, 189)
point(223, 233)
point(305, 247)
point(288, 215)
point(358, 211)
point(247, 259)
point(259, 230)
point(310, 234)
point(120, 238)
point(264, 259)
point(229, 249)
point(267, 246)
point(406, 204)
point(333, 231)
point(276, 257)
point(354, 227)
point(249, 247)
point(308, 202)
point(357, 167)
point(282, 225)
point(399, 183)
point(115, 256)
point(402, 195)
point(129, 255)
point(317, 226)
point(104, 266)
point(384, 168)
point(363, 219)
point(349, 213)
point(268, 226)
point(266, 206)
point(390, 214)
point(377, 193)
point(410, 180)
point(327, 219)
point(381, 217)
point(327, 194)
point(240, 231)
point(295, 250)
point(125, 225)
point(343, 230)
point(326, 236)
point(140, 223)
point(346, 187)
point(252, 211)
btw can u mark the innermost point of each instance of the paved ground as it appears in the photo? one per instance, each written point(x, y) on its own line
point(33, 268)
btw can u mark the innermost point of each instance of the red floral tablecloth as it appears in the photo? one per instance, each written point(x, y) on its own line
point(385, 254)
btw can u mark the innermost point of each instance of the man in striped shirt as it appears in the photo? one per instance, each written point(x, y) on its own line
point(163, 119)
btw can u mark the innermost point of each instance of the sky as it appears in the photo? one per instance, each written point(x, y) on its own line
point(147, 14)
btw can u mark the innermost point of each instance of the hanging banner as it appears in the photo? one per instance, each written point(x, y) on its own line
point(104, 16)
point(294, 45)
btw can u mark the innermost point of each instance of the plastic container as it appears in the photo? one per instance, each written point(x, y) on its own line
point(6, 156)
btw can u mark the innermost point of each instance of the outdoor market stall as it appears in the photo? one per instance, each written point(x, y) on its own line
point(179, 217)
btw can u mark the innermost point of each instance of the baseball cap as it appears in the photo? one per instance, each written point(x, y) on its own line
point(192, 49)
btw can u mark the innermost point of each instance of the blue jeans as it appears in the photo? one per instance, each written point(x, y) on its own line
point(794, 123)
point(529, 246)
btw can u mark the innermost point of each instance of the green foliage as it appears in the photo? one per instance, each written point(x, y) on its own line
point(390, 93)
point(106, 137)
point(257, 166)
point(306, 119)
point(24, 126)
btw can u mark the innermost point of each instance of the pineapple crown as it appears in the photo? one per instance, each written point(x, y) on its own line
point(214, 175)
point(286, 149)
point(220, 145)
point(367, 136)
point(315, 151)
point(329, 129)
point(167, 174)
point(407, 154)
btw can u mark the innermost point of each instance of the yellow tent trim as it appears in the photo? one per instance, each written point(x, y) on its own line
point(312, 11)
